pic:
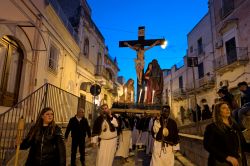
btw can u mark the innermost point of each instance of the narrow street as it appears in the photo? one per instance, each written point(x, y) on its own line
point(139, 159)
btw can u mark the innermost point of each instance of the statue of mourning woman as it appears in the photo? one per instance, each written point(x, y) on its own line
point(156, 80)
point(128, 92)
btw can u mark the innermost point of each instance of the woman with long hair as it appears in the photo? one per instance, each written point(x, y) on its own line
point(46, 142)
point(223, 139)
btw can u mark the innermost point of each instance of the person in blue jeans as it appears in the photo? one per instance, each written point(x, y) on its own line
point(245, 104)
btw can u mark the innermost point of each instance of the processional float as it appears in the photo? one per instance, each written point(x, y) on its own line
point(149, 83)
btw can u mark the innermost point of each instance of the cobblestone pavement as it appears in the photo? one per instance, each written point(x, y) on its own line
point(139, 159)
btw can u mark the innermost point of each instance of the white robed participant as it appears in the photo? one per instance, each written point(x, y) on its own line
point(166, 139)
point(105, 130)
point(135, 131)
point(143, 132)
point(150, 140)
point(124, 137)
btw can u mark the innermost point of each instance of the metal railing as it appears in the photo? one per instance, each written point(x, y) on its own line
point(241, 54)
point(102, 71)
point(63, 103)
point(179, 93)
point(190, 85)
point(206, 80)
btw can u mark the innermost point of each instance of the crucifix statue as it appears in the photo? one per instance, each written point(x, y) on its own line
point(138, 46)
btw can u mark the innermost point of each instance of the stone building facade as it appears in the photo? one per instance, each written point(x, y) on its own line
point(41, 42)
point(220, 42)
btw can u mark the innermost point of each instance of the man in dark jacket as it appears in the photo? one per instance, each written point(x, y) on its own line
point(78, 126)
point(226, 96)
point(245, 104)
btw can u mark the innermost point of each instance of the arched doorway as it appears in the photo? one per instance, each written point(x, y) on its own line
point(11, 62)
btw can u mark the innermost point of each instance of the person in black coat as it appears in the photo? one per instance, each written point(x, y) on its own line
point(223, 139)
point(46, 143)
point(245, 104)
point(198, 109)
point(226, 96)
point(205, 113)
point(79, 127)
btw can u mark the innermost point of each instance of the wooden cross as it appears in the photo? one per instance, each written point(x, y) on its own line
point(141, 39)
point(138, 45)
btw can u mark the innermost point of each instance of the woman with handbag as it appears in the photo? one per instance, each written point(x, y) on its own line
point(223, 139)
point(45, 140)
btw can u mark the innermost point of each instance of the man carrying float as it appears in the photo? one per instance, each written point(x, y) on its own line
point(166, 137)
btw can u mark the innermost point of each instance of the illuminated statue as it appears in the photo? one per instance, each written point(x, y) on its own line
point(128, 92)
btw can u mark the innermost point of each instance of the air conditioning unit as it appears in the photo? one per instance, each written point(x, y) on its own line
point(218, 43)
point(224, 83)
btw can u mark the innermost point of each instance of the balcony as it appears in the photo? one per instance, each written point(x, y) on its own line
point(114, 90)
point(104, 77)
point(179, 94)
point(229, 62)
point(206, 82)
point(109, 84)
point(190, 87)
point(101, 71)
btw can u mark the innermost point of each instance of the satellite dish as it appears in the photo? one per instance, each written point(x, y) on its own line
point(95, 90)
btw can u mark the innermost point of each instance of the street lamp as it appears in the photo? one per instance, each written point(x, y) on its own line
point(164, 44)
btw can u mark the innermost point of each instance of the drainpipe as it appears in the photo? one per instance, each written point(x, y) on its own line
point(62, 67)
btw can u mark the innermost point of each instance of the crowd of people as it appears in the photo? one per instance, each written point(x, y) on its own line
point(112, 135)
point(238, 108)
point(157, 134)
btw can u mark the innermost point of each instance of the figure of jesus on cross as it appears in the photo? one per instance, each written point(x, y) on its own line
point(138, 46)
point(139, 61)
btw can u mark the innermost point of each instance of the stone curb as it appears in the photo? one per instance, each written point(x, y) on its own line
point(183, 160)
